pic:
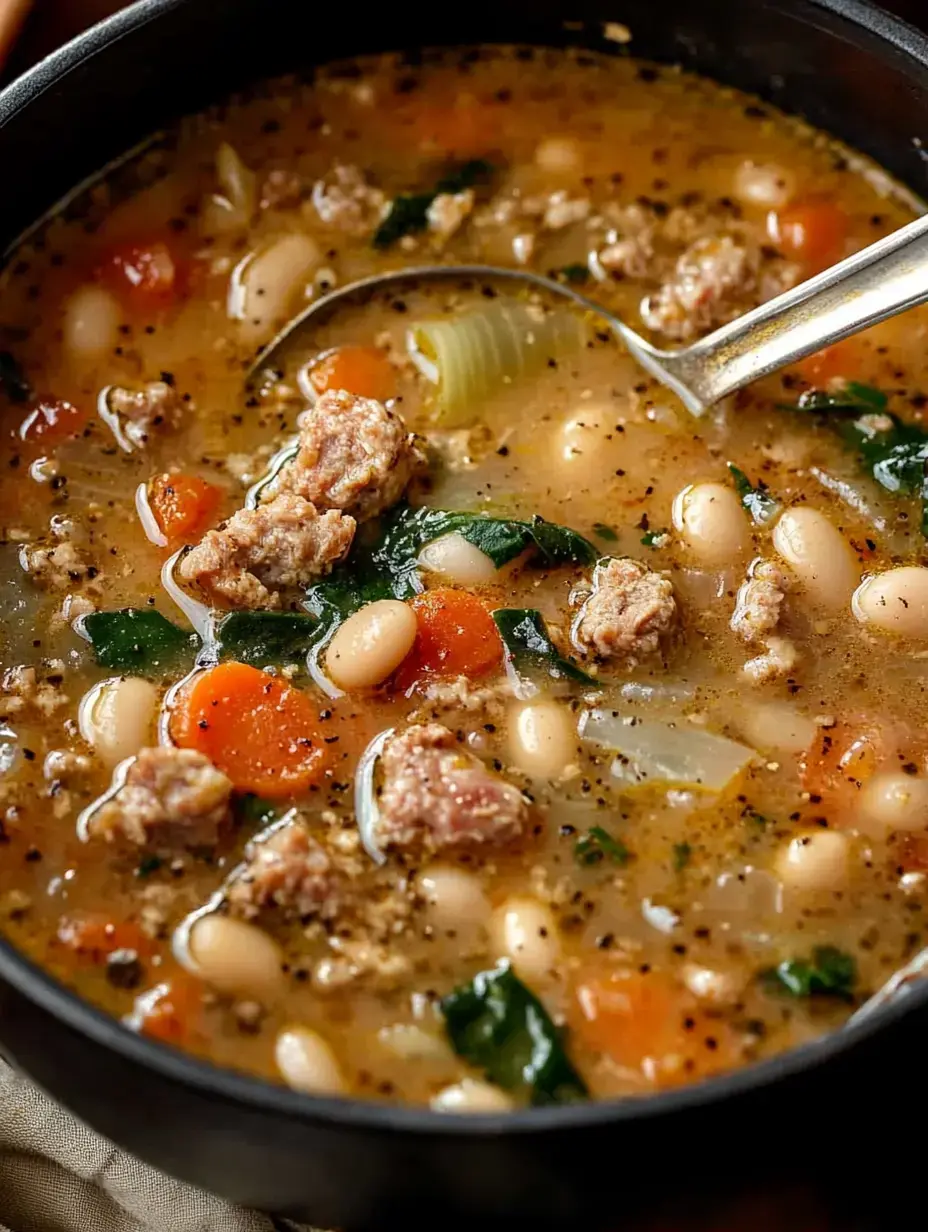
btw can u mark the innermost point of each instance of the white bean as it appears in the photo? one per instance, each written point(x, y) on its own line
point(371, 644)
point(713, 522)
point(266, 282)
point(307, 1063)
point(764, 184)
point(116, 717)
point(454, 897)
point(457, 560)
point(471, 1095)
point(815, 860)
point(238, 959)
point(777, 727)
point(584, 454)
point(889, 802)
point(525, 931)
point(91, 323)
point(895, 601)
point(818, 555)
point(542, 739)
point(410, 1042)
point(558, 155)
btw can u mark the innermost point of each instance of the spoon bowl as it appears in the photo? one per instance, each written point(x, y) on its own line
point(880, 281)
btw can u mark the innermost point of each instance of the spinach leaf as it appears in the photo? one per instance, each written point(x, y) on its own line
point(139, 641)
point(895, 454)
point(654, 538)
point(829, 973)
point(147, 865)
point(577, 274)
point(500, 1026)
point(604, 532)
point(750, 814)
point(757, 501)
point(267, 638)
point(252, 810)
point(852, 396)
point(409, 211)
point(598, 844)
point(682, 853)
point(13, 382)
point(529, 649)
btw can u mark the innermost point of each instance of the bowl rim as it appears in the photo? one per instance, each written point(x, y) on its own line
point(265, 1097)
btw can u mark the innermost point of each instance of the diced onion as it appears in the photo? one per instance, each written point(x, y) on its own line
point(366, 809)
point(476, 355)
point(653, 752)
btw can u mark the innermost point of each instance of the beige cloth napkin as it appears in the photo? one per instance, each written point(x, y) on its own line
point(56, 1175)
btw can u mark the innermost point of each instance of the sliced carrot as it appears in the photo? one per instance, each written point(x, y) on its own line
point(837, 764)
point(362, 370)
point(96, 937)
point(170, 1012)
point(456, 636)
point(840, 361)
point(263, 734)
point(52, 420)
point(183, 505)
point(813, 231)
point(146, 276)
point(462, 126)
point(644, 1021)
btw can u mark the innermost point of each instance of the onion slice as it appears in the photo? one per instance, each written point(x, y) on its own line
point(366, 808)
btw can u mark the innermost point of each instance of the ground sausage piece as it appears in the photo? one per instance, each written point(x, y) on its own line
point(714, 280)
point(449, 211)
point(56, 567)
point(355, 454)
point(435, 794)
point(344, 200)
point(757, 610)
point(630, 610)
point(155, 405)
point(779, 659)
point(169, 796)
point(286, 869)
point(285, 543)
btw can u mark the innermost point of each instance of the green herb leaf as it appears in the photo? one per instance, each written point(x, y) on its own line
point(252, 810)
point(607, 533)
point(409, 211)
point(267, 638)
point(757, 501)
point(829, 973)
point(13, 382)
point(148, 865)
point(598, 844)
point(852, 396)
point(577, 274)
point(682, 853)
point(138, 641)
point(751, 815)
point(652, 538)
point(498, 1025)
point(529, 650)
point(895, 454)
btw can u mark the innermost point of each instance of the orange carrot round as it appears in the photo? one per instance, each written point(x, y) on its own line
point(170, 1012)
point(839, 361)
point(258, 730)
point(644, 1021)
point(183, 505)
point(813, 231)
point(143, 275)
point(456, 636)
point(52, 420)
point(362, 370)
point(96, 937)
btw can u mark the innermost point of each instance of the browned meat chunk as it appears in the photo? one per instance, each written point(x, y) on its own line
point(757, 611)
point(344, 200)
point(630, 610)
point(714, 280)
point(57, 566)
point(169, 796)
point(139, 411)
point(285, 543)
point(435, 794)
point(286, 869)
point(354, 454)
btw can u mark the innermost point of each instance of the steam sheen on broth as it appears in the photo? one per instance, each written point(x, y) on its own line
point(450, 718)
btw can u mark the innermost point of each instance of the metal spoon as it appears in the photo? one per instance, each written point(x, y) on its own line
point(875, 283)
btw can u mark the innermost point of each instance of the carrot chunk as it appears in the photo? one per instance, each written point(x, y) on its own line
point(813, 231)
point(258, 730)
point(145, 276)
point(170, 1012)
point(183, 505)
point(840, 361)
point(52, 420)
point(96, 937)
point(456, 636)
point(362, 370)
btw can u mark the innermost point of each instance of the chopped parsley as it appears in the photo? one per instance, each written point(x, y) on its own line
point(757, 501)
point(654, 538)
point(828, 973)
point(598, 845)
point(576, 275)
point(604, 532)
point(682, 853)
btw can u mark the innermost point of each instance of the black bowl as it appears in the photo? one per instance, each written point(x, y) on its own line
point(848, 68)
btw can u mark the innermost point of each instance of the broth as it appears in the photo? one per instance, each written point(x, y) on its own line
point(678, 814)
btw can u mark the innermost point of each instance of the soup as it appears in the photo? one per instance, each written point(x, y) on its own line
point(446, 715)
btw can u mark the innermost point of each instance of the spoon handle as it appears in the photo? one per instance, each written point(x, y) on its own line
point(878, 282)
